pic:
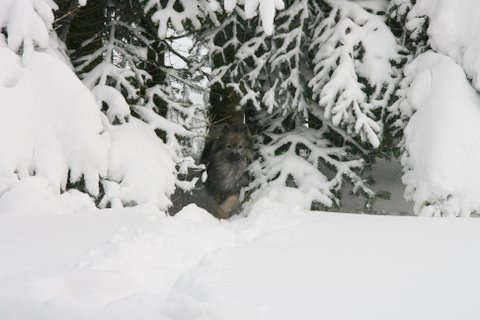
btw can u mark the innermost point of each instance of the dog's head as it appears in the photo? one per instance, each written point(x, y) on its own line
point(236, 143)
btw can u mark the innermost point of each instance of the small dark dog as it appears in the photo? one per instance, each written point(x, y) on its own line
point(227, 154)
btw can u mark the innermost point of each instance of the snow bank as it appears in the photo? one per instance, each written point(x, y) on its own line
point(50, 125)
point(278, 263)
point(442, 138)
point(453, 30)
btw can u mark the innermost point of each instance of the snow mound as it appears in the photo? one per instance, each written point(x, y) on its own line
point(442, 137)
point(141, 167)
point(50, 125)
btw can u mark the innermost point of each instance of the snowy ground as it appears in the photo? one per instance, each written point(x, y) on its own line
point(280, 262)
point(388, 178)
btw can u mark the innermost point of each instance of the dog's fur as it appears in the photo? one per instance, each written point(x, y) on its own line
point(228, 152)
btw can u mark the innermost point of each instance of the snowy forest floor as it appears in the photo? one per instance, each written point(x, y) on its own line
point(386, 174)
point(280, 262)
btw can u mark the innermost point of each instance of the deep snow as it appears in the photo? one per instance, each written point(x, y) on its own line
point(280, 262)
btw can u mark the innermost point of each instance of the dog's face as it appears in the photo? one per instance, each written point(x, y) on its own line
point(236, 144)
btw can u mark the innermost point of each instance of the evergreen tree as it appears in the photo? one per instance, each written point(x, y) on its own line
point(319, 87)
point(118, 54)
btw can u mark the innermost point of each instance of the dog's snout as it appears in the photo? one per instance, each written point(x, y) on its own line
point(234, 155)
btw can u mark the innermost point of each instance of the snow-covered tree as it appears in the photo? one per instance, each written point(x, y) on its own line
point(116, 158)
point(318, 89)
point(123, 62)
point(120, 50)
point(353, 75)
point(437, 107)
point(50, 126)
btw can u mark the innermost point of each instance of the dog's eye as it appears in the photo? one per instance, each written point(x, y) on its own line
point(229, 146)
point(240, 147)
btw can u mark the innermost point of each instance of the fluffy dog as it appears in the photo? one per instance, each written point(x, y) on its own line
point(227, 154)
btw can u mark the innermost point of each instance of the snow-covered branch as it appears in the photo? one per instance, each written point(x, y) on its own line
point(27, 24)
point(353, 75)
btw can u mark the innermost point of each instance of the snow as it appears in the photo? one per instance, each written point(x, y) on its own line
point(442, 138)
point(388, 178)
point(52, 128)
point(453, 30)
point(62, 258)
point(280, 262)
point(265, 8)
point(141, 167)
point(50, 124)
point(166, 16)
point(42, 200)
point(283, 167)
point(348, 44)
point(28, 23)
point(118, 111)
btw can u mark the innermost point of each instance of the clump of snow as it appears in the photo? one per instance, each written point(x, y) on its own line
point(442, 137)
point(50, 125)
point(165, 14)
point(453, 30)
point(117, 111)
point(141, 167)
point(28, 24)
point(266, 9)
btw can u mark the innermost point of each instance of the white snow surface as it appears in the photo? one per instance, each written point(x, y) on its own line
point(279, 262)
point(442, 138)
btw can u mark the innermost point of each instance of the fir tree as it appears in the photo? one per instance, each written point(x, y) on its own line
point(318, 88)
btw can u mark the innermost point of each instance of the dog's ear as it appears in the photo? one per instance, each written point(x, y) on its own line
point(244, 128)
